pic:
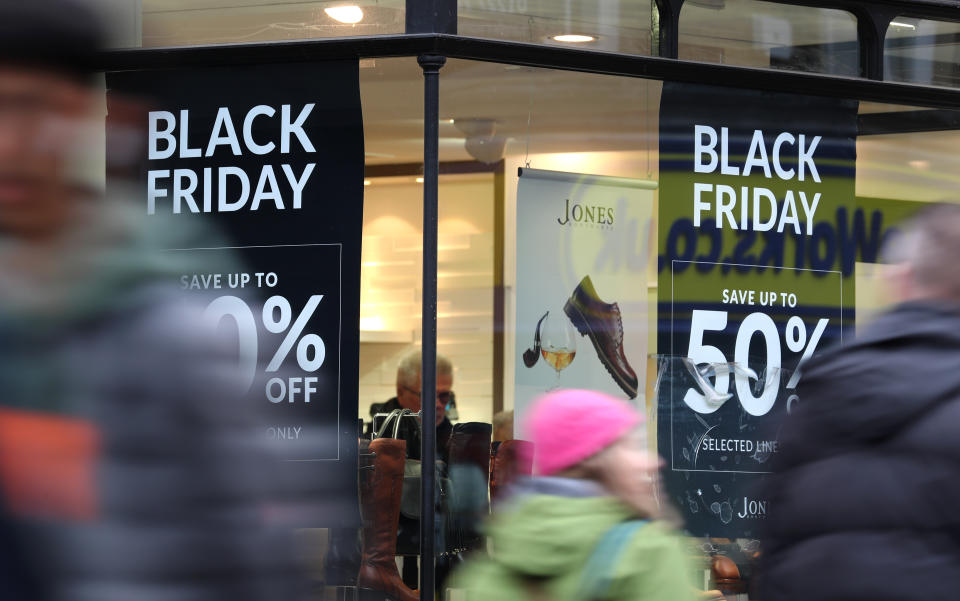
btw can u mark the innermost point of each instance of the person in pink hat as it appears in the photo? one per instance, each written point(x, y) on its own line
point(588, 524)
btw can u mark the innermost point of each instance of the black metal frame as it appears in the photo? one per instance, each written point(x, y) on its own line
point(431, 27)
point(533, 55)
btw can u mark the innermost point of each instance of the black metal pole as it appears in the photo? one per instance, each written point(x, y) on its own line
point(872, 27)
point(431, 64)
point(668, 37)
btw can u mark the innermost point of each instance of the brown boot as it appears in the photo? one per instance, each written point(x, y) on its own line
point(380, 490)
point(470, 480)
point(511, 459)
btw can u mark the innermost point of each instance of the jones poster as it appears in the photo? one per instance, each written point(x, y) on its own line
point(584, 247)
point(268, 163)
point(757, 247)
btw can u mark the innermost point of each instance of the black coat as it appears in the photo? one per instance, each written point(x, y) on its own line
point(865, 501)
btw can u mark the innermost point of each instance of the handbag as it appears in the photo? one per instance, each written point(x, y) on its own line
point(408, 534)
point(412, 472)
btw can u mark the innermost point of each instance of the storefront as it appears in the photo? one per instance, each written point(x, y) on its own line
point(724, 171)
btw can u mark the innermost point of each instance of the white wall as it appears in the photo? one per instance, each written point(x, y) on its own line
point(391, 294)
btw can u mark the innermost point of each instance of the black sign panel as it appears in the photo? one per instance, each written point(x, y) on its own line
point(268, 160)
point(756, 199)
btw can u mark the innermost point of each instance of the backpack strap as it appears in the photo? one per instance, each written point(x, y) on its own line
point(598, 571)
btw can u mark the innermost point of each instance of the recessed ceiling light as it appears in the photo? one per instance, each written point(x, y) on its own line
point(367, 182)
point(573, 38)
point(419, 180)
point(345, 14)
point(450, 121)
point(923, 165)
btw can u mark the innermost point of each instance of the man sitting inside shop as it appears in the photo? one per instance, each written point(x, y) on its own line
point(408, 397)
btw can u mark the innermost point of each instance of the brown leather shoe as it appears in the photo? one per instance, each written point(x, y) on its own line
point(601, 322)
point(380, 490)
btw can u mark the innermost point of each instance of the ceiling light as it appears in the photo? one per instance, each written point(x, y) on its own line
point(573, 38)
point(904, 23)
point(367, 182)
point(923, 165)
point(450, 121)
point(345, 14)
point(419, 180)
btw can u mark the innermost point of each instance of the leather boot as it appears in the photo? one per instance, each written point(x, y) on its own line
point(511, 460)
point(380, 490)
point(469, 476)
point(342, 559)
point(601, 322)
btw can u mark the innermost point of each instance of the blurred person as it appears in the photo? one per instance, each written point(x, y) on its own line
point(587, 525)
point(408, 397)
point(503, 426)
point(862, 499)
point(129, 465)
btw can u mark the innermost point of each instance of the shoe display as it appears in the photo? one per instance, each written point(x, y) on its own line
point(601, 322)
point(380, 491)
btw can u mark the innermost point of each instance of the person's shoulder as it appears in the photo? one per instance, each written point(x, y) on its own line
point(384, 407)
point(655, 536)
point(655, 564)
point(483, 579)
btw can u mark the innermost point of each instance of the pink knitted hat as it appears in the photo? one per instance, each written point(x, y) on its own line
point(568, 426)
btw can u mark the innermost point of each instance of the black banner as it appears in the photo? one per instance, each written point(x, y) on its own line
point(756, 194)
point(269, 161)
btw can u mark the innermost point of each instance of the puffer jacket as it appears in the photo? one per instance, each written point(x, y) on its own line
point(544, 535)
point(863, 499)
point(129, 464)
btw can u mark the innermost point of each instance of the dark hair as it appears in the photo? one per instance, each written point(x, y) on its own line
point(63, 36)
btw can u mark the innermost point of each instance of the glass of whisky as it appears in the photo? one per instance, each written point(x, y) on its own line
point(558, 342)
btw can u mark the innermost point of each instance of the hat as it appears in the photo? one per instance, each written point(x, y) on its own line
point(60, 35)
point(569, 426)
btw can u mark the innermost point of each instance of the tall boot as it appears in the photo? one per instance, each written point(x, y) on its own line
point(469, 476)
point(342, 560)
point(511, 460)
point(380, 491)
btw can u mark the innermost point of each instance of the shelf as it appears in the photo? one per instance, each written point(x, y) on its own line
point(386, 336)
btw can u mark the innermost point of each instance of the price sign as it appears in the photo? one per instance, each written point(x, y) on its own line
point(285, 321)
point(756, 190)
point(706, 359)
point(259, 172)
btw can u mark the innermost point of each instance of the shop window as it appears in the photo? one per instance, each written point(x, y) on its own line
point(615, 25)
point(883, 163)
point(922, 51)
point(764, 34)
point(162, 23)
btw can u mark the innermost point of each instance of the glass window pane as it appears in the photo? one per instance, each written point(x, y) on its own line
point(765, 34)
point(922, 51)
point(581, 123)
point(613, 25)
point(899, 169)
point(160, 23)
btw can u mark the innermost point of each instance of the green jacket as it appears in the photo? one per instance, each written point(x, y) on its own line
point(541, 542)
